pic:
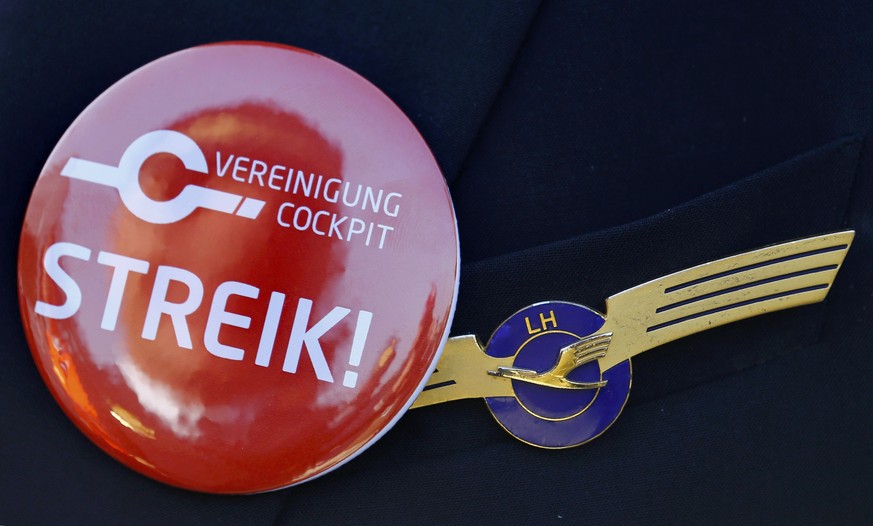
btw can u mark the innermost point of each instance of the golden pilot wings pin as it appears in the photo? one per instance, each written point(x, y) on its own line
point(557, 374)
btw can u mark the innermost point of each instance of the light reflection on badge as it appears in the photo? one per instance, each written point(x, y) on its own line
point(238, 267)
point(557, 375)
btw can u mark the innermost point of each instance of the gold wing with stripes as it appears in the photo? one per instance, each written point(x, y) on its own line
point(713, 294)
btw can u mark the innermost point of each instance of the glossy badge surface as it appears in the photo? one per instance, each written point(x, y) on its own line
point(238, 267)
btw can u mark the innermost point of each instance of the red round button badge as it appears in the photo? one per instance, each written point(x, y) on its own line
point(238, 267)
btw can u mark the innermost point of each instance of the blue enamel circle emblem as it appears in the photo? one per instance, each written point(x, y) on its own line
point(547, 416)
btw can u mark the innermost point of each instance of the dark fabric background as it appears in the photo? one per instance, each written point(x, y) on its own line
point(589, 146)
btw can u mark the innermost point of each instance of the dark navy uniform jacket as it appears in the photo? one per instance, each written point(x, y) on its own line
point(589, 146)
